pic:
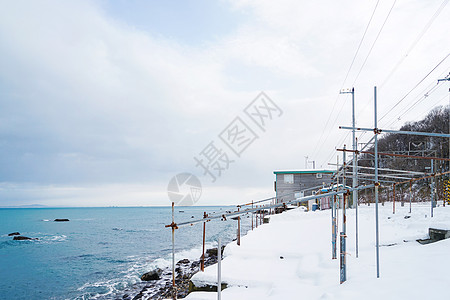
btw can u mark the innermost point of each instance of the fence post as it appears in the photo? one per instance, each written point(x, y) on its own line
point(239, 230)
point(202, 265)
point(219, 269)
point(393, 203)
point(333, 229)
point(343, 267)
point(410, 195)
point(252, 215)
point(174, 291)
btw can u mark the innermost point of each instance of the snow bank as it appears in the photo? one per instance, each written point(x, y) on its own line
point(290, 258)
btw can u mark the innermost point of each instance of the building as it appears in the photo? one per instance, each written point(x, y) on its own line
point(292, 184)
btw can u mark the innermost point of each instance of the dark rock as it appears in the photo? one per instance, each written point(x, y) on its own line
point(14, 233)
point(205, 288)
point(22, 238)
point(213, 251)
point(183, 261)
point(61, 220)
point(152, 275)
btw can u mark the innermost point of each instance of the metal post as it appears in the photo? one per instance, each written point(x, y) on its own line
point(432, 187)
point(343, 235)
point(410, 195)
point(202, 264)
point(344, 181)
point(219, 269)
point(174, 292)
point(356, 195)
point(393, 203)
point(333, 229)
point(239, 230)
point(447, 78)
point(376, 183)
point(252, 215)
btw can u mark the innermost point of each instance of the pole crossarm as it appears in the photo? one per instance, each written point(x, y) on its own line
point(382, 175)
point(398, 155)
point(248, 210)
point(378, 130)
point(388, 170)
point(421, 178)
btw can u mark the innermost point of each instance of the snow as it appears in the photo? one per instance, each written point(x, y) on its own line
point(408, 270)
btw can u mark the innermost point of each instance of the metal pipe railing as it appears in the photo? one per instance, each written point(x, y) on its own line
point(248, 210)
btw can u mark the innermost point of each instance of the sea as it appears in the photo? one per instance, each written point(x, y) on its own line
point(101, 252)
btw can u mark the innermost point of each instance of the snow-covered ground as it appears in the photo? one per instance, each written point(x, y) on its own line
point(290, 258)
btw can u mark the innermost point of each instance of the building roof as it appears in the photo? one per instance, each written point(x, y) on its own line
point(304, 171)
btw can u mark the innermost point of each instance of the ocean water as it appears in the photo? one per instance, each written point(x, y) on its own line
point(100, 253)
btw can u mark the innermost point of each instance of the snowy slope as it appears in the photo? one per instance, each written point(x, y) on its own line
point(255, 270)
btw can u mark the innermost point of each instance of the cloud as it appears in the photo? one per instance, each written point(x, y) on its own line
point(89, 99)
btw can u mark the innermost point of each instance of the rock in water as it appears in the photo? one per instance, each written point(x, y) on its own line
point(183, 261)
point(14, 233)
point(61, 220)
point(22, 238)
point(152, 275)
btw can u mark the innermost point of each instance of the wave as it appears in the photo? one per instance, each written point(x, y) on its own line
point(128, 280)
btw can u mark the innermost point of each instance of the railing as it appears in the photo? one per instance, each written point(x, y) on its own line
point(338, 190)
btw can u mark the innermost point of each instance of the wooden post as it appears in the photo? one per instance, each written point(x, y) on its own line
point(410, 195)
point(239, 230)
point(174, 290)
point(252, 215)
point(202, 264)
point(393, 203)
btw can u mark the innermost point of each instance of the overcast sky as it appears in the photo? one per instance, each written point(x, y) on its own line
point(103, 102)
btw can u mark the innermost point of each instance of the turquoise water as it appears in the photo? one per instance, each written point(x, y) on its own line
point(99, 254)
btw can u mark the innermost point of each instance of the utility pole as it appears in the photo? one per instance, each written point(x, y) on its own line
point(355, 161)
point(376, 132)
point(447, 78)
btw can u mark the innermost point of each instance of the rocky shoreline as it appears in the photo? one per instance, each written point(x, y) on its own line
point(159, 284)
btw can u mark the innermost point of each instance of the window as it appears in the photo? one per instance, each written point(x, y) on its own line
point(289, 178)
point(299, 194)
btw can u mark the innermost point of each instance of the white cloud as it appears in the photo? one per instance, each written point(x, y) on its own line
point(87, 98)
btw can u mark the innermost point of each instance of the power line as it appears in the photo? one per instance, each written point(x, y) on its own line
point(345, 79)
point(417, 84)
point(360, 43)
point(422, 98)
point(418, 38)
point(367, 57)
point(374, 42)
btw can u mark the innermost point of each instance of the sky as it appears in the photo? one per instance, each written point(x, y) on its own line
point(102, 103)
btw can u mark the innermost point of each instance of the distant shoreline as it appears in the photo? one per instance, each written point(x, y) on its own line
point(150, 206)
